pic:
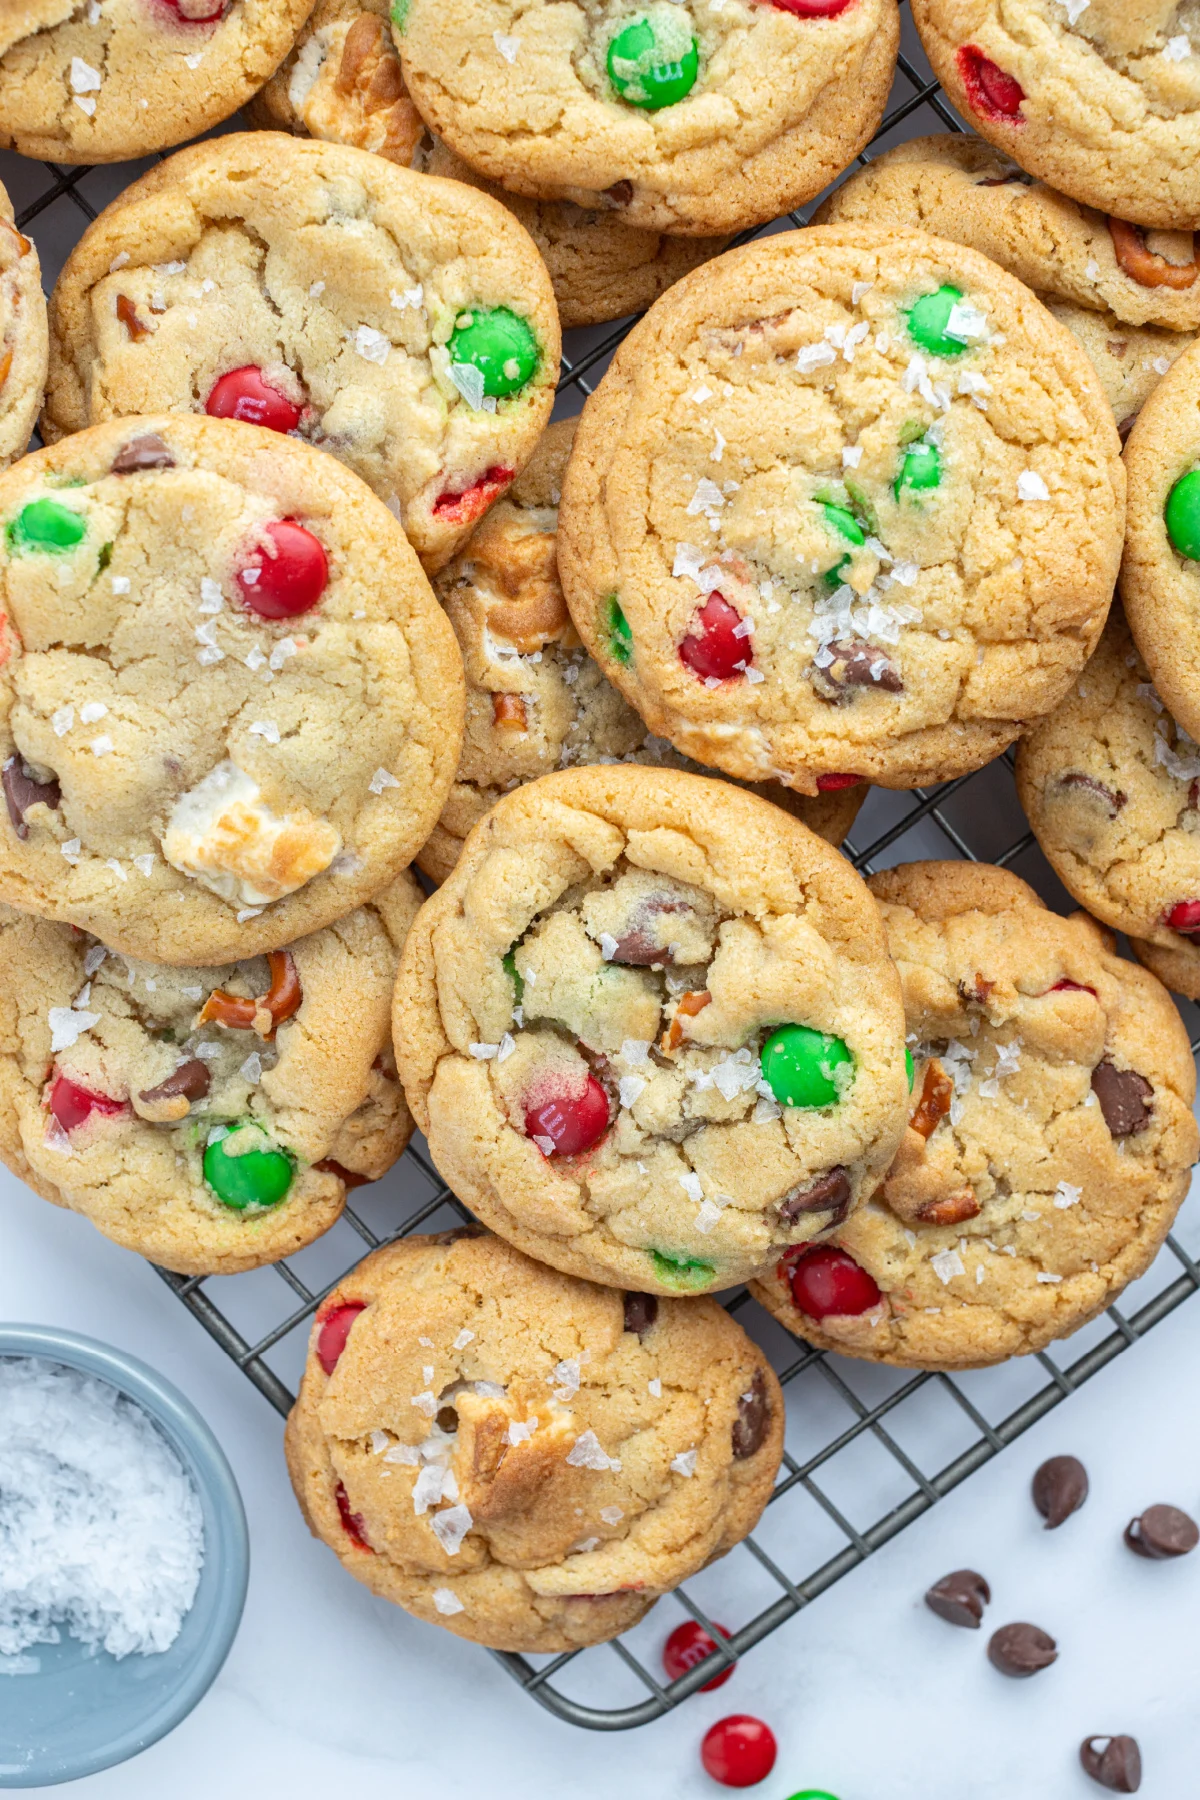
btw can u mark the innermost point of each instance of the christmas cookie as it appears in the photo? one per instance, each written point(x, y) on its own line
point(22, 336)
point(210, 1118)
point(695, 118)
point(406, 325)
point(1131, 298)
point(536, 701)
point(526, 1459)
point(650, 1030)
point(1099, 97)
point(1111, 785)
point(230, 706)
point(846, 505)
point(1049, 1144)
point(117, 78)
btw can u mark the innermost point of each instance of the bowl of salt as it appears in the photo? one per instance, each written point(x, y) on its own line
point(123, 1556)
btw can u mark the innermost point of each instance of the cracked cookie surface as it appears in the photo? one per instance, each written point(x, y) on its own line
point(650, 1030)
point(404, 324)
point(1049, 1144)
point(536, 701)
point(92, 81)
point(664, 110)
point(23, 336)
point(230, 706)
point(209, 1118)
point(526, 1459)
point(847, 503)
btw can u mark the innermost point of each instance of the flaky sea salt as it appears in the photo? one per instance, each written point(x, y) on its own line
point(684, 1463)
point(1030, 486)
point(588, 1453)
point(451, 1527)
point(946, 1265)
point(447, 1603)
point(1065, 1195)
point(382, 779)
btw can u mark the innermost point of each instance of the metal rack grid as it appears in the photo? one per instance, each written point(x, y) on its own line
point(869, 1449)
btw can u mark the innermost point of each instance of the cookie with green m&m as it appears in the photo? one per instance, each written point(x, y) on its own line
point(649, 1029)
point(210, 1117)
point(846, 506)
point(692, 117)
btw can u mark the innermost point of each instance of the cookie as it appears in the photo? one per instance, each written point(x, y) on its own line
point(847, 504)
point(405, 324)
point(523, 1458)
point(342, 81)
point(1102, 100)
point(1049, 1145)
point(650, 1030)
point(1132, 300)
point(536, 701)
point(1111, 785)
point(112, 80)
point(230, 706)
point(696, 118)
point(23, 336)
point(211, 1119)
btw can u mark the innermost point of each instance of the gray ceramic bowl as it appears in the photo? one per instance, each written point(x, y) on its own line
point(85, 1710)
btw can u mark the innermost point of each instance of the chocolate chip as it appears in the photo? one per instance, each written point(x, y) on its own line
point(22, 790)
point(1060, 1488)
point(641, 1310)
point(959, 1598)
point(190, 1081)
point(620, 193)
point(1113, 799)
point(1126, 426)
point(1124, 1098)
point(1021, 1650)
point(857, 665)
point(1117, 1766)
point(754, 1413)
point(141, 453)
point(637, 945)
point(1162, 1532)
point(1018, 175)
point(828, 1193)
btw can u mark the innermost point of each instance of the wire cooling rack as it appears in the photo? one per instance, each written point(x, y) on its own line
point(868, 1449)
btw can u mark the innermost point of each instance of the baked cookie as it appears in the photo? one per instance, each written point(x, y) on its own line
point(650, 1030)
point(526, 1459)
point(404, 324)
point(117, 79)
point(211, 1119)
point(23, 337)
point(536, 701)
point(230, 706)
point(1049, 1145)
point(1111, 785)
point(696, 118)
point(1131, 298)
point(846, 504)
point(342, 81)
point(1101, 99)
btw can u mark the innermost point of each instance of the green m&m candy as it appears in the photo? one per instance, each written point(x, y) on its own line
point(654, 62)
point(928, 319)
point(803, 1067)
point(497, 343)
point(844, 524)
point(1183, 515)
point(249, 1172)
point(813, 1794)
point(47, 524)
point(909, 1068)
point(514, 974)
point(682, 1271)
point(921, 468)
point(616, 628)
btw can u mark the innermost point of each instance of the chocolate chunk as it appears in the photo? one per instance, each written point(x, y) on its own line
point(141, 453)
point(349, 1178)
point(620, 193)
point(1113, 799)
point(1162, 1532)
point(1021, 1650)
point(641, 1310)
point(959, 1598)
point(1018, 175)
point(754, 1413)
point(857, 665)
point(637, 945)
point(1125, 1098)
point(1060, 1488)
point(828, 1193)
point(1126, 426)
point(190, 1081)
point(1115, 1762)
point(22, 790)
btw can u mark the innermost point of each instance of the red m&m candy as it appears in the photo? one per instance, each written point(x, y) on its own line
point(335, 1329)
point(353, 1523)
point(197, 12)
point(461, 508)
point(72, 1104)
point(739, 1751)
point(1067, 986)
point(826, 1281)
point(1184, 917)
point(831, 784)
point(571, 1121)
point(712, 650)
point(688, 1645)
point(812, 9)
point(990, 90)
point(291, 581)
point(245, 394)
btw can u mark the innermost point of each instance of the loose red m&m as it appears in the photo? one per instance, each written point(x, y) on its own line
point(335, 1329)
point(828, 1281)
point(246, 394)
point(72, 1104)
point(570, 1121)
point(712, 649)
point(688, 1645)
point(291, 581)
point(739, 1751)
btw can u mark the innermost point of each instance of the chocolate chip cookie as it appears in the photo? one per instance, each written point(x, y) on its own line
point(523, 1458)
point(23, 339)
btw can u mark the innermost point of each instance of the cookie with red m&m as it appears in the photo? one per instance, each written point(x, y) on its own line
point(404, 324)
point(230, 706)
point(23, 347)
point(1049, 1142)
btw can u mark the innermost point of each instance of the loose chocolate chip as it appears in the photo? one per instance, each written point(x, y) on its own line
point(1060, 1488)
point(620, 193)
point(1162, 1532)
point(141, 453)
point(959, 1598)
point(1115, 1762)
point(857, 665)
point(828, 1193)
point(754, 1412)
point(190, 1081)
point(1124, 1098)
point(22, 790)
point(1113, 799)
point(641, 1310)
point(1021, 1650)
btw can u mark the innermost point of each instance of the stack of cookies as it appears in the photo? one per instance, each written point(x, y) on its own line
point(305, 591)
